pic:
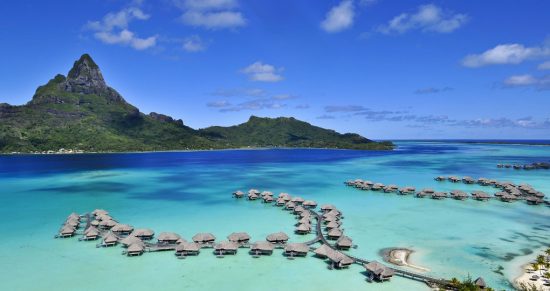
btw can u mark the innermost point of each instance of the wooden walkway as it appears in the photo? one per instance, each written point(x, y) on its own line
point(405, 274)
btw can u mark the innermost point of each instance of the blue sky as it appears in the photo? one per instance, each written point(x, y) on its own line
point(385, 69)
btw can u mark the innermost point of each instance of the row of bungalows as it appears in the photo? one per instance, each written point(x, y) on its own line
point(296, 250)
point(226, 248)
point(261, 248)
point(69, 227)
point(532, 166)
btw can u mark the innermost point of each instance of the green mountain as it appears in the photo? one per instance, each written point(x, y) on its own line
point(81, 112)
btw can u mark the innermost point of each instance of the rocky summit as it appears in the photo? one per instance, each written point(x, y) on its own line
point(81, 112)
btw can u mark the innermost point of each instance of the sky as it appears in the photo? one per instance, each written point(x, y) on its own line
point(385, 69)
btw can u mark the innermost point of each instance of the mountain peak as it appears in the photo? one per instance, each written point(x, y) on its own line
point(85, 73)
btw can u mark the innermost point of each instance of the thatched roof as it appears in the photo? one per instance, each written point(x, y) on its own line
point(339, 258)
point(120, 227)
point(130, 240)
point(188, 247)
point(428, 190)
point(67, 229)
point(226, 246)
point(238, 193)
point(309, 203)
point(267, 193)
point(327, 207)
point(379, 269)
point(333, 224)
point(108, 223)
point(480, 282)
point(136, 247)
point(110, 238)
point(73, 215)
point(255, 191)
point(323, 250)
point(143, 232)
point(335, 232)
point(102, 217)
point(304, 220)
point(180, 241)
point(203, 237)
point(297, 247)
point(278, 236)
point(72, 222)
point(480, 194)
point(305, 214)
point(100, 211)
point(290, 205)
point(268, 198)
point(284, 195)
point(333, 212)
point(262, 246)
point(303, 227)
point(299, 209)
point(168, 236)
point(344, 241)
point(297, 199)
point(95, 222)
point(330, 218)
point(238, 237)
point(91, 231)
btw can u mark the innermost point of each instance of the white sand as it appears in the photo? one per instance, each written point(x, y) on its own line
point(401, 257)
point(525, 278)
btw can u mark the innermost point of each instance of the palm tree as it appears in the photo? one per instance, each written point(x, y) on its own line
point(547, 251)
point(535, 266)
point(540, 262)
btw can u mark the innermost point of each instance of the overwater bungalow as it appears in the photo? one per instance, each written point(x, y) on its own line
point(421, 194)
point(180, 241)
point(187, 249)
point(305, 220)
point(299, 209)
point(267, 193)
point(107, 224)
point(103, 217)
point(377, 187)
point(332, 224)
point(204, 239)
point(428, 191)
point(129, 240)
point(459, 195)
point(407, 190)
point(262, 248)
point(305, 214)
point(285, 196)
point(73, 223)
point(239, 237)
point(135, 249)
point(500, 194)
point(334, 234)
point(454, 179)
point(143, 233)
point(390, 188)
point(322, 251)
point(238, 194)
point(508, 198)
point(110, 239)
point(297, 200)
point(226, 248)
point(309, 204)
point(378, 271)
point(368, 183)
point(168, 237)
point(357, 182)
point(120, 228)
point(92, 233)
point(73, 215)
point(255, 191)
point(290, 205)
point(296, 250)
point(480, 195)
point(439, 195)
point(440, 178)
point(483, 181)
point(339, 260)
point(252, 196)
point(344, 243)
point(100, 212)
point(468, 180)
point(334, 212)
point(327, 207)
point(533, 200)
point(94, 222)
point(280, 202)
point(277, 238)
point(303, 228)
point(329, 219)
point(267, 199)
point(66, 231)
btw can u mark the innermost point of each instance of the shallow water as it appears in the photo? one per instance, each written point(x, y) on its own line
point(190, 192)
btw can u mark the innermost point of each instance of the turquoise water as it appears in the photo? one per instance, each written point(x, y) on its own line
point(191, 192)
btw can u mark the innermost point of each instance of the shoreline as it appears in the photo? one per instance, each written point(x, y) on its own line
point(527, 272)
point(401, 257)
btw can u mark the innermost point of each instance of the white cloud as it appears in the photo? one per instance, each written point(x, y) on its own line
point(211, 14)
point(526, 80)
point(339, 17)
point(505, 54)
point(426, 18)
point(213, 20)
point(113, 29)
point(544, 66)
point(261, 72)
point(194, 44)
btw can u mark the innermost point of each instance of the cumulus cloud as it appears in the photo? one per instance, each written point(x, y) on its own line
point(113, 29)
point(544, 66)
point(261, 72)
point(526, 80)
point(340, 17)
point(432, 90)
point(211, 14)
point(426, 18)
point(502, 54)
point(194, 44)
